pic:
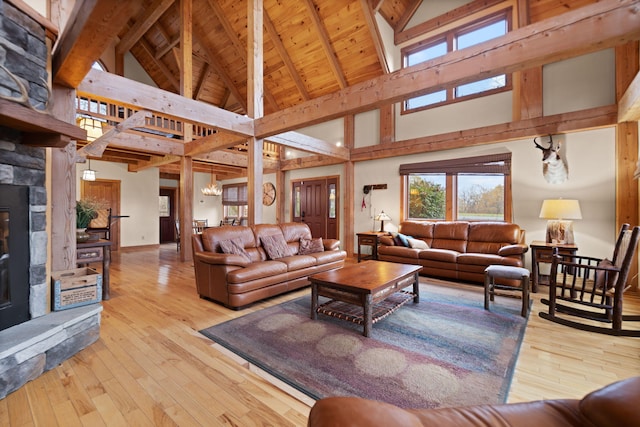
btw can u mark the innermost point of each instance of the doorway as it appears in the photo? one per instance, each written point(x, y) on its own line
point(168, 210)
point(316, 203)
point(108, 191)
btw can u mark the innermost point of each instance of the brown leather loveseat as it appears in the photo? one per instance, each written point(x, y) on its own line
point(612, 406)
point(251, 271)
point(458, 250)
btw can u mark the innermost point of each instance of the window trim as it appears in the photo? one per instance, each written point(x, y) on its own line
point(449, 37)
point(489, 164)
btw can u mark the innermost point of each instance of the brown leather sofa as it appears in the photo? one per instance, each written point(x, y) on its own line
point(458, 250)
point(612, 406)
point(236, 281)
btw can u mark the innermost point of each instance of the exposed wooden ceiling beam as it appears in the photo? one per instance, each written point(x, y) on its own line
point(591, 28)
point(204, 75)
point(93, 25)
point(370, 19)
point(151, 14)
point(402, 21)
point(308, 162)
point(326, 44)
point(155, 161)
point(97, 147)
point(629, 105)
point(173, 81)
point(282, 51)
point(159, 53)
point(310, 144)
point(147, 144)
point(214, 142)
point(112, 87)
point(558, 123)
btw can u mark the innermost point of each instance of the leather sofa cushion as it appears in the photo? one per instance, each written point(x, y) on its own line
point(211, 237)
point(452, 235)
point(417, 229)
point(298, 262)
point(327, 257)
point(293, 232)
point(399, 251)
point(309, 246)
point(257, 270)
point(487, 259)
point(489, 237)
point(443, 255)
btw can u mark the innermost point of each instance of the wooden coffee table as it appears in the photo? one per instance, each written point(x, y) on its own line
point(364, 293)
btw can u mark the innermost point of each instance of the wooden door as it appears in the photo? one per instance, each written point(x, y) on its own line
point(313, 206)
point(107, 190)
point(168, 215)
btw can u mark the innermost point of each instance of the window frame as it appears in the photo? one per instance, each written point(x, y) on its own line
point(487, 164)
point(239, 200)
point(449, 37)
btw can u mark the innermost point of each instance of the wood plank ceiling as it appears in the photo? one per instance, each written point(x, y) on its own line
point(312, 48)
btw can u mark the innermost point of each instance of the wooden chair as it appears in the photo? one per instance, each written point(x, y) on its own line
point(199, 225)
point(100, 227)
point(228, 221)
point(589, 288)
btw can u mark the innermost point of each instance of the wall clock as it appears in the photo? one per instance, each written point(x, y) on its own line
point(268, 193)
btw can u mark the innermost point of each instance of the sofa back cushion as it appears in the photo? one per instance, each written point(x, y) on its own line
point(418, 230)
point(451, 235)
point(211, 238)
point(489, 237)
point(293, 232)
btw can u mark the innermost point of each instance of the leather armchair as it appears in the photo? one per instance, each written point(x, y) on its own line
point(612, 406)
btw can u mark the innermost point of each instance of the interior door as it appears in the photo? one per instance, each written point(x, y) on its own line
point(167, 215)
point(314, 203)
point(109, 191)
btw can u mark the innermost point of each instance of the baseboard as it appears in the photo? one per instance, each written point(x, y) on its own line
point(136, 248)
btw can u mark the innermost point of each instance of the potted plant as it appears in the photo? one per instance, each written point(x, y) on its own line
point(86, 210)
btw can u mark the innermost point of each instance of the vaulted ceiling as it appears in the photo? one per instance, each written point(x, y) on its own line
point(311, 49)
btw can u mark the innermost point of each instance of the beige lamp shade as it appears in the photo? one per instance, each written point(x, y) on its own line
point(560, 209)
point(382, 217)
point(559, 212)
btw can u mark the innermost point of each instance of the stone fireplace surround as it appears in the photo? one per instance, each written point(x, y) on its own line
point(31, 348)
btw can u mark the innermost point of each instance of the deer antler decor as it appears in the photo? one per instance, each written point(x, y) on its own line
point(554, 169)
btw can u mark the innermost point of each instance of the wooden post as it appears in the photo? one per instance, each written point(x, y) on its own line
point(349, 188)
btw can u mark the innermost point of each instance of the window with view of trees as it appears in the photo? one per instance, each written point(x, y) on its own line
point(456, 39)
point(474, 189)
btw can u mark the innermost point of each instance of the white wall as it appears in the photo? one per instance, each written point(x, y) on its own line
point(139, 193)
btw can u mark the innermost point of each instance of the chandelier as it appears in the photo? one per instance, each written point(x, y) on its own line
point(212, 189)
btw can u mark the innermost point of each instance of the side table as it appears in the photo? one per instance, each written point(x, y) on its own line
point(542, 252)
point(97, 251)
point(369, 238)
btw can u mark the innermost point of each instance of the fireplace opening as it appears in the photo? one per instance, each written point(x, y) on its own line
point(14, 255)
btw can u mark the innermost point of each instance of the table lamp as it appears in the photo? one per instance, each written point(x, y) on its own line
point(382, 217)
point(559, 212)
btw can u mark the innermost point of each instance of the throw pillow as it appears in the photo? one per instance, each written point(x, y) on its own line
point(417, 243)
point(310, 246)
point(613, 275)
point(234, 246)
point(403, 239)
point(275, 246)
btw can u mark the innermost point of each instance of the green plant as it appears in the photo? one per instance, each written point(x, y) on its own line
point(86, 210)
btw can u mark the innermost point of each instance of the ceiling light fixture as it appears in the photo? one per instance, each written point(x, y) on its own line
point(89, 174)
point(212, 189)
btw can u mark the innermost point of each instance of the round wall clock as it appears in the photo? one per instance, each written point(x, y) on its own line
point(268, 193)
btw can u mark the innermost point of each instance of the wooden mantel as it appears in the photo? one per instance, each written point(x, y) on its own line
point(40, 129)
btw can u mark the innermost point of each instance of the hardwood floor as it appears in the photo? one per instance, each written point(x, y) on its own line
point(152, 367)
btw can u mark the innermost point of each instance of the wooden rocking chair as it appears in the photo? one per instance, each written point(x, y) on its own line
point(590, 288)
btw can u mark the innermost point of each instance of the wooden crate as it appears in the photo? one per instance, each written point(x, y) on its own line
point(76, 287)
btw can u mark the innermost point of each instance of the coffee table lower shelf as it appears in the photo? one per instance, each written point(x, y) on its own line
point(355, 313)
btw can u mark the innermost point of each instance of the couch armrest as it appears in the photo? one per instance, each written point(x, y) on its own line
point(513, 250)
point(331, 244)
point(222, 259)
point(387, 241)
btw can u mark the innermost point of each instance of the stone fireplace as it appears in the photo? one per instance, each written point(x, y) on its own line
point(33, 339)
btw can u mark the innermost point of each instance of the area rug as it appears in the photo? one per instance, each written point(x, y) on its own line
point(444, 351)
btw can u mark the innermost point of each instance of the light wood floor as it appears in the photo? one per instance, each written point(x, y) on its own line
point(152, 367)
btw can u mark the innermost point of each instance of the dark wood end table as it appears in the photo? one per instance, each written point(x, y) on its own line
point(364, 293)
point(542, 252)
point(369, 238)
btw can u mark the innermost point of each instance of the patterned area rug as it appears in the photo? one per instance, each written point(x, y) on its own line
point(444, 351)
